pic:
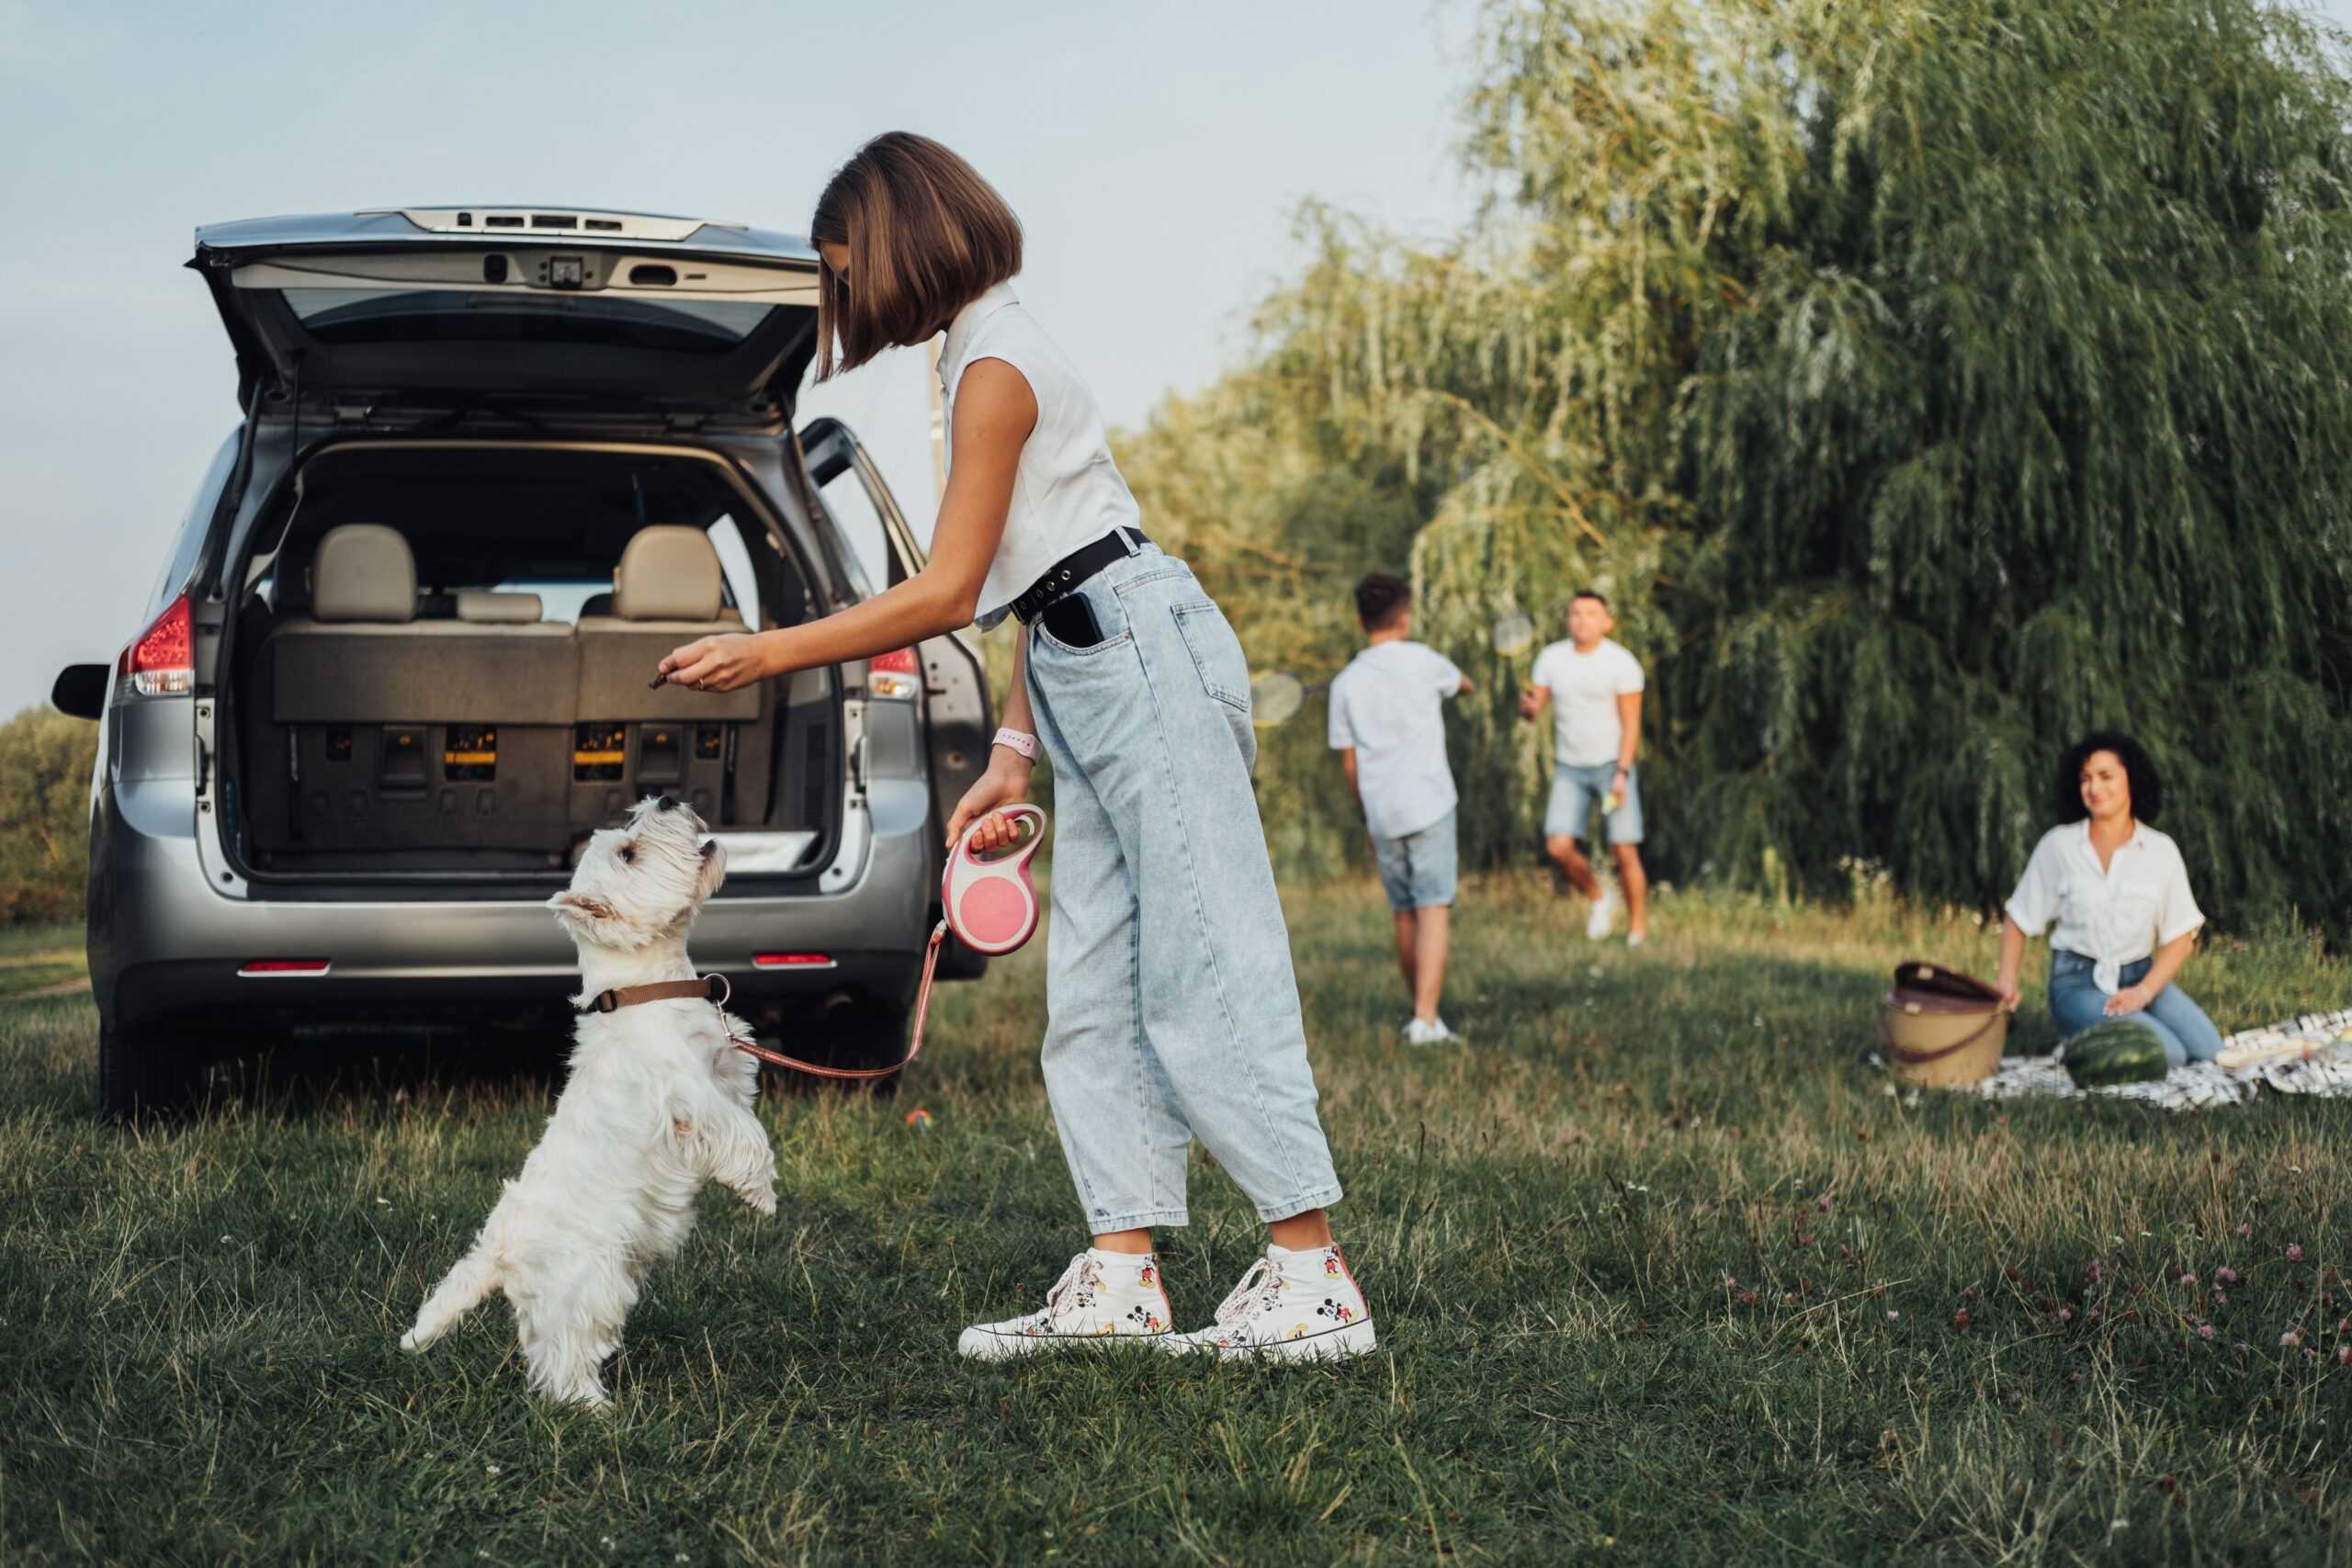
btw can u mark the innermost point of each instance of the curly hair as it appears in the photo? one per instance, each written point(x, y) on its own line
point(2147, 784)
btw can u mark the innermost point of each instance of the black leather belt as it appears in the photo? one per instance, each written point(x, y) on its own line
point(1074, 569)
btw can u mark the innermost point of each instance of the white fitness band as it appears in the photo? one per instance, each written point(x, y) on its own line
point(1025, 744)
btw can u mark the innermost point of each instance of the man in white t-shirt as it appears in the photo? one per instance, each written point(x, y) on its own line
point(1595, 688)
point(1388, 726)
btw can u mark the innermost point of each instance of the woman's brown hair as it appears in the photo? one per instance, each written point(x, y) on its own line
point(926, 236)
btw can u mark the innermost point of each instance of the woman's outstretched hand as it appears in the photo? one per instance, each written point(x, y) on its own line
point(1005, 783)
point(2131, 999)
point(721, 662)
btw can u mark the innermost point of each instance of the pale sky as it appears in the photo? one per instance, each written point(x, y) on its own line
point(1154, 153)
point(1154, 149)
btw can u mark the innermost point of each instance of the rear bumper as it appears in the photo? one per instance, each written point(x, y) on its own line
point(163, 942)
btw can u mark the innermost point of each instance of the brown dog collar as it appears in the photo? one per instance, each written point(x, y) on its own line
point(711, 988)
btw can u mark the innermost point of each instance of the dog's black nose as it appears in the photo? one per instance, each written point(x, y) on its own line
point(665, 804)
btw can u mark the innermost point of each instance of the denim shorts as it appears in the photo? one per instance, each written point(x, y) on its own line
point(1417, 870)
point(1576, 791)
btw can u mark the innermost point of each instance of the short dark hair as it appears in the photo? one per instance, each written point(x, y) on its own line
point(926, 237)
point(2147, 784)
point(1381, 596)
point(1595, 595)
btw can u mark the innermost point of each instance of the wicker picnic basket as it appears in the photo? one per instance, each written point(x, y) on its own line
point(1941, 1027)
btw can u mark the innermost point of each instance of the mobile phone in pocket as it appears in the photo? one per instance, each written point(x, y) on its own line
point(1070, 619)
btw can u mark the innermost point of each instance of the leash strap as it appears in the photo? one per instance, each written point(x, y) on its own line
point(914, 1043)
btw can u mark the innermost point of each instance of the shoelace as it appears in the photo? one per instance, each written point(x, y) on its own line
point(1081, 1270)
point(1255, 1295)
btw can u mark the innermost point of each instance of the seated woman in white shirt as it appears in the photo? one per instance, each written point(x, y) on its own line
point(2118, 896)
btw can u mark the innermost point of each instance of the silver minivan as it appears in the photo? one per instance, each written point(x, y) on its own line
point(494, 462)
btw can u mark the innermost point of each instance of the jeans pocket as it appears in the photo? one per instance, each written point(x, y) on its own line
point(1217, 652)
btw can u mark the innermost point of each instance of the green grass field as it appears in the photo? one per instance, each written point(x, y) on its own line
point(1661, 1271)
point(40, 957)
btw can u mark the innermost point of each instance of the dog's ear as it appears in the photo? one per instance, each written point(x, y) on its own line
point(582, 906)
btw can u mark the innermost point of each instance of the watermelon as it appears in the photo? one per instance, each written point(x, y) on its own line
point(2114, 1053)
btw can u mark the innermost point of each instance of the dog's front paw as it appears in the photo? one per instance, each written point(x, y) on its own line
point(763, 1204)
point(411, 1343)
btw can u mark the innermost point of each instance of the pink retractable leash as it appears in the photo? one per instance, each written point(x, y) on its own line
point(991, 906)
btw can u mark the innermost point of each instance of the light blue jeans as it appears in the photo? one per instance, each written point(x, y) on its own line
point(2075, 1004)
point(1174, 1012)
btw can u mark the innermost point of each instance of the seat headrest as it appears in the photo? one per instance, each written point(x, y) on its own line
point(363, 573)
point(669, 572)
point(479, 605)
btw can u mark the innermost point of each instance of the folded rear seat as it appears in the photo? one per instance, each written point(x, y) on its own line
point(382, 732)
point(711, 750)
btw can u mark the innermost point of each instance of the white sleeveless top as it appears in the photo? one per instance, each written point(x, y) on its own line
point(1067, 491)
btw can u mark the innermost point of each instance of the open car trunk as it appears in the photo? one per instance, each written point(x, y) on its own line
point(475, 725)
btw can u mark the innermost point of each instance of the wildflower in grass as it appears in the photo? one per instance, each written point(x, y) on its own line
point(2310, 1355)
point(2291, 1337)
point(2242, 1349)
point(1822, 1202)
point(2226, 1275)
point(2097, 1270)
point(2344, 1355)
point(2221, 1297)
point(2065, 1315)
point(2205, 1331)
point(490, 1470)
point(1747, 1298)
point(1731, 1282)
point(2246, 1230)
point(2294, 1252)
point(1968, 1292)
point(1895, 1317)
point(1960, 1319)
point(2187, 1279)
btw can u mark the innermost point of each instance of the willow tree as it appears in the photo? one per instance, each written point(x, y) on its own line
point(1928, 381)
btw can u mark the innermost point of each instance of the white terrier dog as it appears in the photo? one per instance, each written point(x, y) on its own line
point(658, 1103)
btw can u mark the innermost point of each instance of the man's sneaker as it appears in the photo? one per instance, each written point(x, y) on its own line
point(1604, 912)
point(1291, 1307)
point(1431, 1032)
point(1102, 1298)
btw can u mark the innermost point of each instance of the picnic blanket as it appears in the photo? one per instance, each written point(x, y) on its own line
point(2200, 1084)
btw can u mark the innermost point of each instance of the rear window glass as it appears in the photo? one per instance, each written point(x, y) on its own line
point(445, 315)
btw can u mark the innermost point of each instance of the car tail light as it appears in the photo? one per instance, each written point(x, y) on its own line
point(898, 674)
point(791, 960)
point(273, 967)
point(162, 663)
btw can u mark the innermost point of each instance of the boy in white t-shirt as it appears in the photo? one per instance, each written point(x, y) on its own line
point(1390, 729)
point(1595, 687)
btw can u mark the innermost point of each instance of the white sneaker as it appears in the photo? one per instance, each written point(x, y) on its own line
point(1604, 912)
point(1290, 1306)
point(1102, 1298)
point(1433, 1032)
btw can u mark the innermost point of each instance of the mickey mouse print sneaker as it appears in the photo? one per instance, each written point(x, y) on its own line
point(1290, 1306)
point(1101, 1299)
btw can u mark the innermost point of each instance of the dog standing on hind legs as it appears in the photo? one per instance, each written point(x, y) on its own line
point(657, 1101)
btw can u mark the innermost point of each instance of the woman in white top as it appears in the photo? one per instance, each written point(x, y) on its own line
point(1173, 1009)
point(2119, 897)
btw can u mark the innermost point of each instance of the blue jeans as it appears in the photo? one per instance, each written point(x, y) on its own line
point(1417, 871)
point(1172, 1010)
point(2075, 1004)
